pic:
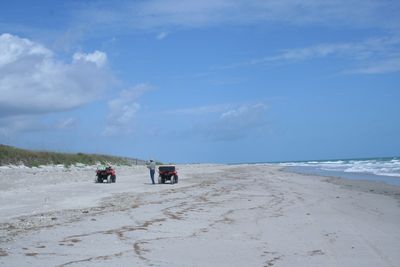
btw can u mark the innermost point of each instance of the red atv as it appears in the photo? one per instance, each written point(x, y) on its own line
point(167, 172)
point(105, 174)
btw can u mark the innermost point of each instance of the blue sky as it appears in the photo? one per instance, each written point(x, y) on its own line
point(202, 81)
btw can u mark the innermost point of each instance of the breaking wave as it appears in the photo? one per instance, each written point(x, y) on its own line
point(378, 166)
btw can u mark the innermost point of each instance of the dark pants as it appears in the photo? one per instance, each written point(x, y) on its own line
point(152, 175)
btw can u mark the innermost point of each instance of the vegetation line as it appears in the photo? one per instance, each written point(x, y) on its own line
point(15, 156)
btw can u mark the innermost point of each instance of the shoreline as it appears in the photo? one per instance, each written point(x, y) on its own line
point(367, 186)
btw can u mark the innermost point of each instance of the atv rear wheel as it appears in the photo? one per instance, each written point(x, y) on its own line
point(113, 178)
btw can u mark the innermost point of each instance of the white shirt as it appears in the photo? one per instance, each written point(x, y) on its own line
point(151, 165)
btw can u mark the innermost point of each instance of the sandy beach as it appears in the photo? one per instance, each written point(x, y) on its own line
point(217, 215)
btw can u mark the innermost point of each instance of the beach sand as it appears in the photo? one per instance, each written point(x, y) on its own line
point(217, 215)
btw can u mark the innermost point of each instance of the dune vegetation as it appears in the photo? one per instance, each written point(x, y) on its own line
point(15, 156)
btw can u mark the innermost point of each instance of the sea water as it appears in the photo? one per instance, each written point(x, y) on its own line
point(385, 170)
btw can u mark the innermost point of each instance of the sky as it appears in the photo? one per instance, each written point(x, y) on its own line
point(211, 81)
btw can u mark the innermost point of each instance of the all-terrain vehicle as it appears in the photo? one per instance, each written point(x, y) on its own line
point(105, 174)
point(167, 173)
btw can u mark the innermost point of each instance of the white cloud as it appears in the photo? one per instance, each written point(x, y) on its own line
point(165, 14)
point(391, 65)
point(162, 35)
point(374, 47)
point(242, 111)
point(243, 115)
point(230, 123)
point(123, 110)
point(201, 110)
point(238, 123)
point(97, 57)
point(67, 123)
point(33, 80)
point(13, 48)
point(375, 55)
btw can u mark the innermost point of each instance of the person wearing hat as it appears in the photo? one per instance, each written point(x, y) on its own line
point(152, 167)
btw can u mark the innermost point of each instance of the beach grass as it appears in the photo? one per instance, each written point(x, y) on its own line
point(16, 156)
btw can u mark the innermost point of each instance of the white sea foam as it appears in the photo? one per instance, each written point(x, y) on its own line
point(385, 167)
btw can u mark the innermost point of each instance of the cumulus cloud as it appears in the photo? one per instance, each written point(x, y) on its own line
point(34, 81)
point(122, 110)
point(97, 57)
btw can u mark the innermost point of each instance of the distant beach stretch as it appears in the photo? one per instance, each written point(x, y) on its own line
point(217, 215)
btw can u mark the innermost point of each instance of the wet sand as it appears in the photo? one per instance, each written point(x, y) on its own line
point(217, 215)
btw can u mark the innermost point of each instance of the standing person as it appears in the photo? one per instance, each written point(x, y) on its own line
point(152, 167)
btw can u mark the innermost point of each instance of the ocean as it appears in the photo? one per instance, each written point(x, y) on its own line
point(385, 170)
